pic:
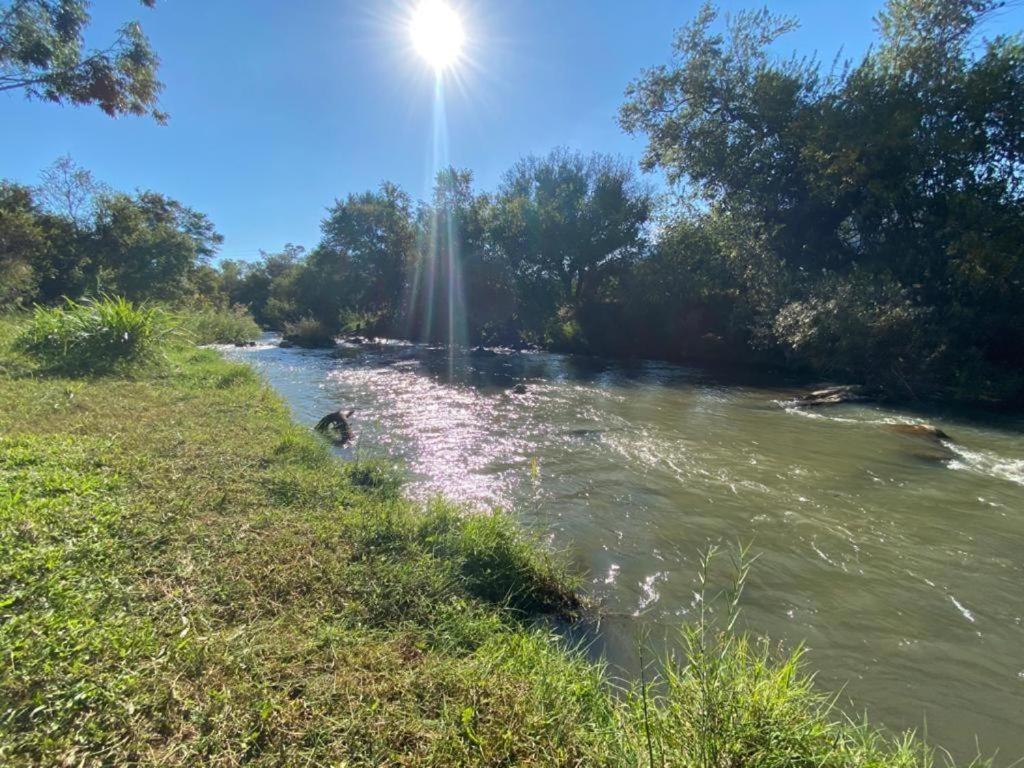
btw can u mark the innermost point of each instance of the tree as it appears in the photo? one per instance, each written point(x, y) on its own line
point(460, 290)
point(42, 53)
point(882, 196)
point(42, 256)
point(568, 222)
point(367, 247)
point(22, 241)
point(266, 287)
point(147, 245)
point(69, 190)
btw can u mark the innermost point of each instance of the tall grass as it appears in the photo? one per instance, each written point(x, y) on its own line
point(95, 335)
point(209, 325)
point(729, 699)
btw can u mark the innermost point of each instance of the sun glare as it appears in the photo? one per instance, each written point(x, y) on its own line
point(437, 33)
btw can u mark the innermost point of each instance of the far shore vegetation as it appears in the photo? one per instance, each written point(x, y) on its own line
point(189, 578)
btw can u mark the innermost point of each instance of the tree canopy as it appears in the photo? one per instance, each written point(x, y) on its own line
point(43, 54)
point(872, 215)
point(74, 237)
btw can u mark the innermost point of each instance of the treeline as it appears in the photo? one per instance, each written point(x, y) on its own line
point(72, 236)
point(862, 221)
point(522, 265)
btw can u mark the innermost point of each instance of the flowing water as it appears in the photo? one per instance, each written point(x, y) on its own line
point(898, 562)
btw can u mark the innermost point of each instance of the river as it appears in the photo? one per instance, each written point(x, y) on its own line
point(899, 564)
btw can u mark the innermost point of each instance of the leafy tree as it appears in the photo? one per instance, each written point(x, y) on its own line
point(22, 241)
point(460, 289)
point(862, 202)
point(367, 247)
point(266, 287)
point(147, 245)
point(567, 222)
point(42, 53)
point(43, 256)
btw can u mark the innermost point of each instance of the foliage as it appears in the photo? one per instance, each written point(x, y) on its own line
point(460, 288)
point(266, 286)
point(309, 332)
point(42, 54)
point(95, 336)
point(73, 237)
point(22, 241)
point(570, 221)
point(211, 587)
point(368, 246)
point(212, 325)
point(878, 198)
point(148, 245)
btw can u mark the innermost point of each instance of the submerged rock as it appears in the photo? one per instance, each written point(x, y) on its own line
point(285, 344)
point(924, 431)
point(932, 443)
point(519, 389)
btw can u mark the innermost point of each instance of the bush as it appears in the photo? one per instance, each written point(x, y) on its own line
point(309, 333)
point(95, 336)
point(221, 326)
point(864, 327)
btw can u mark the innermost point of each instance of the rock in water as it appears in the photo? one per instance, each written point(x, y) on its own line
point(924, 431)
point(336, 424)
point(931, 442)
point(831, 396)
point(519, 389)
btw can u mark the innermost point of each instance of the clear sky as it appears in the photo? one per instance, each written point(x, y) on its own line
point(277, 108)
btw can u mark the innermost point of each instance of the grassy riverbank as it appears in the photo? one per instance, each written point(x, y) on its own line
point(186, 577)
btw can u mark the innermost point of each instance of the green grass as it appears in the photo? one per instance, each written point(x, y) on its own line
point(188, 578)
point(208, 325)
point(95, 336)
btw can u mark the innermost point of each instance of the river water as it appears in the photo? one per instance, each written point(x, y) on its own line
point(897, 562)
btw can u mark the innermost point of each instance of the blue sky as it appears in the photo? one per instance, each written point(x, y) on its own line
point(279, 108)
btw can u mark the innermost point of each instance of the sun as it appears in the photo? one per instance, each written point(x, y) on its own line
point(437, 33)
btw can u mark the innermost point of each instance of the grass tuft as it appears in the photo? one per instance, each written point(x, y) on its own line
point(95, 336)
point(209, 325)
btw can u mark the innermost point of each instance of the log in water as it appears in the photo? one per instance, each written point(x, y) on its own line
point(899, 561)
